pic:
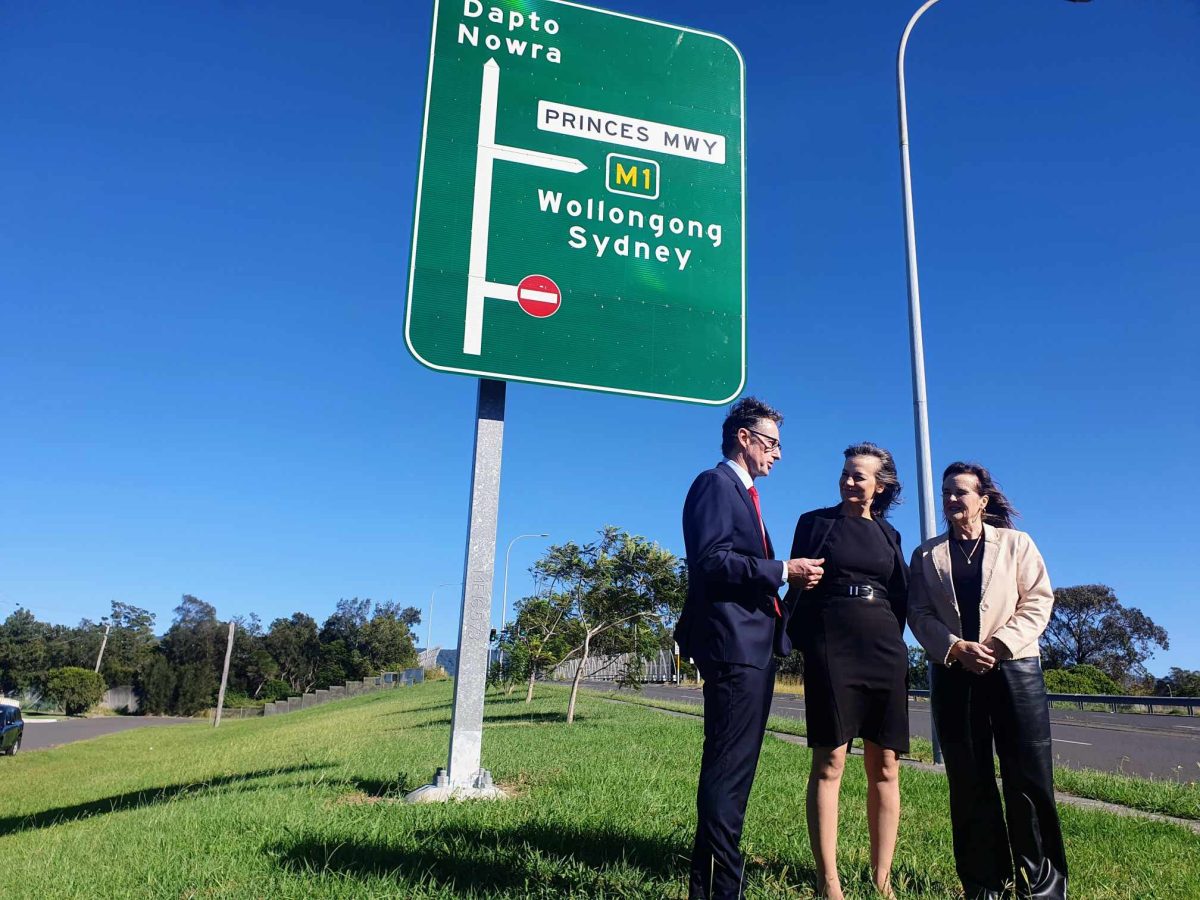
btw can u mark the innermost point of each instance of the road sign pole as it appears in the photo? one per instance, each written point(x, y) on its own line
point(464, 776)
point(224, 677)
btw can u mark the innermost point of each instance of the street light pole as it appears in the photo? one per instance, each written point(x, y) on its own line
point(429, 626)
point(504, 601)
point(916, 342)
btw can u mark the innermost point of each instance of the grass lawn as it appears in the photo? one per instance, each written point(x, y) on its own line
point(301, 806)
point(1172, 798)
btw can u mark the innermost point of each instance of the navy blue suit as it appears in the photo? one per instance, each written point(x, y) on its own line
point(731, 629)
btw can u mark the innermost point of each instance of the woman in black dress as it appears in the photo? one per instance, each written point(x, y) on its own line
point(850, 629)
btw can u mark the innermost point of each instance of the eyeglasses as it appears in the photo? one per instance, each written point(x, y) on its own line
point(768, 442)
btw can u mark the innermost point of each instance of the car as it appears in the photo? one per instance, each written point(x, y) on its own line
point(12, 726)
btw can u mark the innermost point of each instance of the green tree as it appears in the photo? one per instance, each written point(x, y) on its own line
point(541, 635)
point(131, 640)
point(196, 688)
point(387, 640)
point(23, 651)
point(612, 582)
point(1090, 626)
point(918, 669)
point(1082, 679)
point(155, 686)
point(75, 689)
point(1179, 683)
point(296, 648)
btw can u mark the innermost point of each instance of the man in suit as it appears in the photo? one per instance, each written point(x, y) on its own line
point(732, 625)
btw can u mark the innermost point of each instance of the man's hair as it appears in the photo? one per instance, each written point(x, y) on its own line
point(748, 412)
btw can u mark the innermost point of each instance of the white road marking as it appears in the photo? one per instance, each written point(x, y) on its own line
point(1065, 741)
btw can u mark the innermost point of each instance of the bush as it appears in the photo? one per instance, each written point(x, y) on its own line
point(76, 690)
point(197, 689)
point(1083, 679)
point(155, 686)
point(276, 689)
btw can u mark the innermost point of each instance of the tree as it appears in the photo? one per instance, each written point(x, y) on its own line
point(918, 669)
point(387, 641)
point(1082, 679)
point(75, 689)
point(541, 635)
point(1090, 626)
point(612, 582)
point(155, 686)
point(196, 688)
point(131, 640)
point(297, 649)
point(23, 651)
point(1179, 683)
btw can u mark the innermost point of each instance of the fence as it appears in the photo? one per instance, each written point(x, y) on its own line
point(384, 681)
point(659, 669)
point(1114, 702)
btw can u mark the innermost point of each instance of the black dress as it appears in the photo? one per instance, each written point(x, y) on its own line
point(855, 658)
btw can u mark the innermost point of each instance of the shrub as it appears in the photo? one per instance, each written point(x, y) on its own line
point(155, 686)
point(76, 690)
point(1083, 679)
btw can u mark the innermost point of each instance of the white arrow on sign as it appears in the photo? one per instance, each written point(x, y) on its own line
point(478, 287)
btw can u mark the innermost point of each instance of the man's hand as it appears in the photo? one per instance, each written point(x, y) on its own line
point(805, 572)
point(975, 657)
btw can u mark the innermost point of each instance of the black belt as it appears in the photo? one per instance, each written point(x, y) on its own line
point(865, 591)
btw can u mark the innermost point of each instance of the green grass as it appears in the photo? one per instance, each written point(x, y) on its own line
point(1154, 795)
point(302, 805)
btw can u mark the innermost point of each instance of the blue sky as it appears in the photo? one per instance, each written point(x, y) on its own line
point(203, 381)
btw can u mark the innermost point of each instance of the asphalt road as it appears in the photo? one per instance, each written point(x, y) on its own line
point(1147, 745)
point(40, 734)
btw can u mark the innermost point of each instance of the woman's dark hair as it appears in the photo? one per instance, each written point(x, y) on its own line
point(999, 511)
point(890, 495)
point(746, 413)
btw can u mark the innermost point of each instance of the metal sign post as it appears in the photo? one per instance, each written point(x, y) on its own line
point(464, 776)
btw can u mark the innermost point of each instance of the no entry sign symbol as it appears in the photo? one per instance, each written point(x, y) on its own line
point(539, 296)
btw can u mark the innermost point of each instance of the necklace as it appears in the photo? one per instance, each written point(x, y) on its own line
point(967, 556)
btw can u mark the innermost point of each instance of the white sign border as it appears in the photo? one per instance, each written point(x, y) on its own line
point(412, 270)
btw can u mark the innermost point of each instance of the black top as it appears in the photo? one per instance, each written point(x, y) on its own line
point(968, 583)
point(858, 552)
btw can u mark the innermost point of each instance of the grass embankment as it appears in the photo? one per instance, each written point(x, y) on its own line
point(1154, 795)
point(301, 806)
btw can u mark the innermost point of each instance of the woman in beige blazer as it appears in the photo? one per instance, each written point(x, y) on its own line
point(979, 600)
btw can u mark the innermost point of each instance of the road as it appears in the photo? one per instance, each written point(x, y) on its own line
point(1147, 745)
point(40, 734)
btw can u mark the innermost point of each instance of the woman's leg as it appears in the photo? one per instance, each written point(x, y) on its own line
point(1023, 744)
point(961, 713)
point(883, 811)
point(824, 784)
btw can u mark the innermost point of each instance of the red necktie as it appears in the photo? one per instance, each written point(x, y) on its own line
point(763, 529)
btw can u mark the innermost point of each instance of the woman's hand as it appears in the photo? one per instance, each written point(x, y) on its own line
point(997, 649)
point(975, 657)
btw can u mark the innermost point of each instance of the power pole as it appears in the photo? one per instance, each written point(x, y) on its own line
point(224, 678)
point(103, 644)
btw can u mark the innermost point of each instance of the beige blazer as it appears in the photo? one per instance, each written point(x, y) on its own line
point(1015, 605)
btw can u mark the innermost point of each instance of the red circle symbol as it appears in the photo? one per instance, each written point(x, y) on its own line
point(539, 296)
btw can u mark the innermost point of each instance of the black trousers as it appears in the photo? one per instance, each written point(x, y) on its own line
point(737, 700)
point(1005, 707)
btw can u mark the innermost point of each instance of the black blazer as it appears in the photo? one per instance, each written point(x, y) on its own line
point(812, 531)
point(729, 615)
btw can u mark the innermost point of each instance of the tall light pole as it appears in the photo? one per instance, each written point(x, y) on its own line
point(504, 601)
point(916, 343)
point(429, 629)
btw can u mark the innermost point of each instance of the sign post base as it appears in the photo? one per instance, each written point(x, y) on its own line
point(440, 790)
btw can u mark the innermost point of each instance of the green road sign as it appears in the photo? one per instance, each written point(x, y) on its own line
point(580, 202)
